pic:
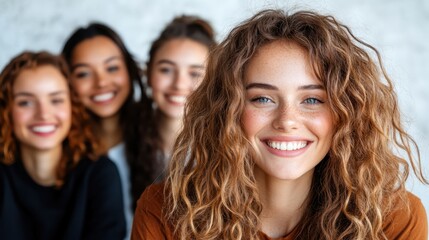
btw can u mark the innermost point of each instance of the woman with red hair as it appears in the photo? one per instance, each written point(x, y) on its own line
point(53, 183)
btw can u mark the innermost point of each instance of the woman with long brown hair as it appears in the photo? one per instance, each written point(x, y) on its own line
point(293, 134)
point(53, 182)
point(176, 66)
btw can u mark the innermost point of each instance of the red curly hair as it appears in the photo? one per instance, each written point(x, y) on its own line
point(80, 141)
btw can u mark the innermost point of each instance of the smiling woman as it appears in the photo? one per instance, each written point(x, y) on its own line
point(52, 178)
point(286, 116)
point(289, 136)
point(41, 110)
point(176, 66)
point(106, 77)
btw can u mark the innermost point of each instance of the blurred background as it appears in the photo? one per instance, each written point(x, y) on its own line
point(399, 29)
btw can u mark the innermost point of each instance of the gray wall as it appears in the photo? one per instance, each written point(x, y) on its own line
point(399, 29)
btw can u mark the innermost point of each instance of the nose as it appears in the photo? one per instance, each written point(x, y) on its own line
point(43, 111)
point(286, 118)
point(100, 80)
point(181, 81)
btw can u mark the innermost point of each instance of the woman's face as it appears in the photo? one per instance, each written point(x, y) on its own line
point(176, 70)
point(286, 115)
point(41, 110)
point(100, 76)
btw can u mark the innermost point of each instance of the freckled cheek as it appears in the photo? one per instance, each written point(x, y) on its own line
point(252, 122)
point(322, 125)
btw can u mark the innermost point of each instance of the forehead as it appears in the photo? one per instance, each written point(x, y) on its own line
point(274, 53)
point(182, 50)
point(42, 79)
point(281, 62)
point(95, 49)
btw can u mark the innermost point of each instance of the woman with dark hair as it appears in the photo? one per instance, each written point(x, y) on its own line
point(177, 62)
point(105, 75)
point(292, 134)
point(53, 182)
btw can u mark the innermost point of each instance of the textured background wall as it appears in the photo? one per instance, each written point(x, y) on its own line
point(399, 29)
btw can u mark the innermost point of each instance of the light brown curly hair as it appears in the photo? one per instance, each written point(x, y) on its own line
point(80, 141)
point(211, 190)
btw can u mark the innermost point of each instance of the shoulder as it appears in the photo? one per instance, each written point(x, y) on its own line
point(103, 163)
point(106, 169)
point(149, 219)
point(407, 221)
point(152, 199)
point(97, 173)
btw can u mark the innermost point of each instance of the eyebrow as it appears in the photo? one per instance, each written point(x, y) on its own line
point(261, 85)
point(86, 65)
point(311, 87)
point(271, 87)
point(27, 94)
point(166, 61)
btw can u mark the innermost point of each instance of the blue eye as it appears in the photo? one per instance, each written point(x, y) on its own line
point(261, 100)
point(312, 101)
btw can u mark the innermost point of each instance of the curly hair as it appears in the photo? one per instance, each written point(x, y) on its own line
point(134, 114)
point(211, 191)
point(80, 141)
point(187, 27)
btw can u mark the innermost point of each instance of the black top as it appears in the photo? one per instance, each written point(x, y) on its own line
point(88, 206)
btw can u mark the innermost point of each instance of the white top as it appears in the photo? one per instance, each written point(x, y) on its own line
point(117, 155)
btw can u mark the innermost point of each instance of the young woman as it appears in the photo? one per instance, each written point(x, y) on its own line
point(104, 75)
point(51, 187)
point(289, 136)
point(177, 62)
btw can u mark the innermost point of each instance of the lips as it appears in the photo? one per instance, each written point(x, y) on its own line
point(43, 129)
point(103, 97)
point(287, 145)
point(178, 99)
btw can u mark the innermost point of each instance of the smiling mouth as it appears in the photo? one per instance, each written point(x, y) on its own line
point(103, 97)
point(287, 146)
point(43, 129)
point(177, 99)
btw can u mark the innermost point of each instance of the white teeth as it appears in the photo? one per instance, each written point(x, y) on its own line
point(103, 97)
point(177, 99)
point(43, 129)
point(287, 146)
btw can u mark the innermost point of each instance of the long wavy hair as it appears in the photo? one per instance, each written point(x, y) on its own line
point(211, 190)
point(134, 114)
point(80, 141)
point(181, 27)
